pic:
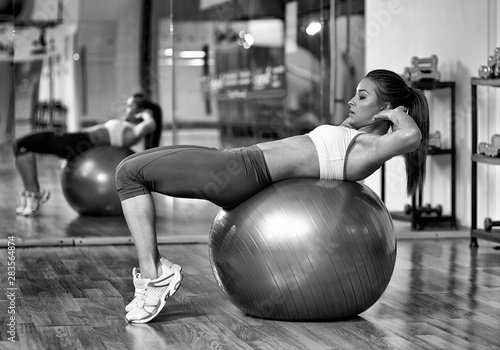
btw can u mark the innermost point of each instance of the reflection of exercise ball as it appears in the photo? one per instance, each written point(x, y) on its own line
point(88, 181)
point(303, 250)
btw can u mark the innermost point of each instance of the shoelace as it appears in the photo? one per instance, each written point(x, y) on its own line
point(23, 201)
point(139, 297)
point(31, 203)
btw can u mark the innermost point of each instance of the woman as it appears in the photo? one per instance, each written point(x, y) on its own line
point(138, 123)
point(351, 151)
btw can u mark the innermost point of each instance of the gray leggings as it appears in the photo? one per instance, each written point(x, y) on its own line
point(223, 177)
point(63, 145)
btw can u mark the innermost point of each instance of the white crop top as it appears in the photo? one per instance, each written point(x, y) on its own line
point(332, 145)
point(116, 130)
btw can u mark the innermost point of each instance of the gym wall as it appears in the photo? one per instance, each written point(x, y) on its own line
point(396, 30)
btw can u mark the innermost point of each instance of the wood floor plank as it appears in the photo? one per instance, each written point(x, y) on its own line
point(201, 334)
point(152, 336)
point(112, 333)
point(28, 337)
point(59, 337)
point(89, 338)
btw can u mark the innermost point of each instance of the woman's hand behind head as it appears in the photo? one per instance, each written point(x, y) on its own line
point(394, 116)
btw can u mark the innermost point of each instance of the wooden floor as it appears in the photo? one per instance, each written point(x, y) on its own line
point(70, 293)
point(443, 295)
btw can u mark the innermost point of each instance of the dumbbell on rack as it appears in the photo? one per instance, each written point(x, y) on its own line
point(435, 140)
point(490, 149)
point(495, 144)
point(407, 209)
point(427, 209)
point(489, 224)
point(491, 70)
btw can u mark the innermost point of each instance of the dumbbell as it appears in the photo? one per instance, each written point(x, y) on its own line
point(438, 210)
point(481, 148)
point(492, 61)
point(407, 209)
point(435, 139)
point(428, 209)
point(485, 72)
point(496, 52)
point(488, 149)
point(489, 224)
point(495, 144)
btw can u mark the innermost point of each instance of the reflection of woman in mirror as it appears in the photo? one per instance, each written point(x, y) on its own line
point(386, 118)
point(137, 123)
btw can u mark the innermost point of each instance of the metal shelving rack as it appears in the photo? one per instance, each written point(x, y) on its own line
point(417, 219)
point(493, 235)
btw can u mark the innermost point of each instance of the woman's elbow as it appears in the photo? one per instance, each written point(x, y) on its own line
point(149, 127)
point(413, 139)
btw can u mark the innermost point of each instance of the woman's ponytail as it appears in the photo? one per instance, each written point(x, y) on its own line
point(392, 88)
point(415, 161)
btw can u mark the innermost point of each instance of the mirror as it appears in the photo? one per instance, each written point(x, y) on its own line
point(225, 73)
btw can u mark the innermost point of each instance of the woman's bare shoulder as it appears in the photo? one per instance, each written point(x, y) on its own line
point(370, 151)
point(364, 158)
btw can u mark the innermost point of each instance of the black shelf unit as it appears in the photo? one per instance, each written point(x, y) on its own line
point(475, 232)
point(418, 219)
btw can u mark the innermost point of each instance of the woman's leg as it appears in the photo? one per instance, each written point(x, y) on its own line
point(224, 178)
point(27, 170)
point(32, 198)
point(25, 148)
point(140, 214)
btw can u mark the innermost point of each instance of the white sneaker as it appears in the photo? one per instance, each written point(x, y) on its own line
point(141, 283)
point(22, 205)
point(35, 202)
point(152, 300)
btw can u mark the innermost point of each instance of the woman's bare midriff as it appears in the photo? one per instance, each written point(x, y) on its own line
point(291, 157)
point(129, 137)
point(98, 135)
point(297, 157)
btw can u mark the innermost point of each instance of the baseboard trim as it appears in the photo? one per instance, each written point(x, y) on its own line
point(100, 241)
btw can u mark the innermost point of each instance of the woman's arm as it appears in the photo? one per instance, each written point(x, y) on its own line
point(370, 151)
point(404, 138)
point(145, 127)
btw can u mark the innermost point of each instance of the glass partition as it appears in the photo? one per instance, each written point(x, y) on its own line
point(226, 73)
point(247, 72)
